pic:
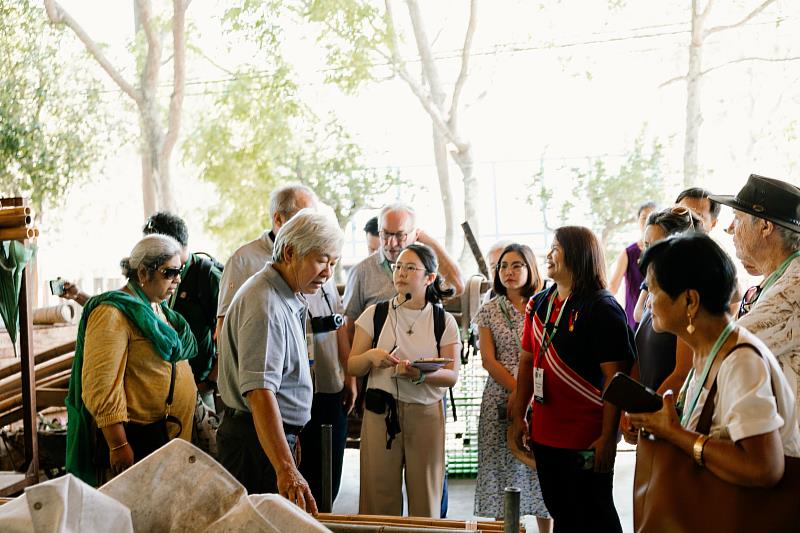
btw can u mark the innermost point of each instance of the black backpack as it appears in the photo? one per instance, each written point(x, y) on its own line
point(379, 319)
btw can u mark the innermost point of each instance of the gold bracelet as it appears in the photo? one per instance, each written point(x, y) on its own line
point(119, 447)
point(697, 449)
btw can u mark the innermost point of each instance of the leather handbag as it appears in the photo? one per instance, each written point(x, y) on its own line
point(672, 493)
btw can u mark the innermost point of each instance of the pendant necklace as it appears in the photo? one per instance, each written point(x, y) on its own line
point(410, 330)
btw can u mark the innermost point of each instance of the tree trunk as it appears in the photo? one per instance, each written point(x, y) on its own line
point(465, 161)
point(694, 115)
point(443, 171)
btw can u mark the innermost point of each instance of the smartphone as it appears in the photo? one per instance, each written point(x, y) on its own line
point(631, 396)
point(57, 287)
point(585, 459)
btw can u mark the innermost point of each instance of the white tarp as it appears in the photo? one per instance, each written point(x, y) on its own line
point(178, 488)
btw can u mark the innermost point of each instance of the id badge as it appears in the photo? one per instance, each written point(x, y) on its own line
point(538, 384)
point(310, 347)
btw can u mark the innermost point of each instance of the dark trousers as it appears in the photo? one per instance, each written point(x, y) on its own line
point(578, 500)
point(325, 409)
point(242, 455)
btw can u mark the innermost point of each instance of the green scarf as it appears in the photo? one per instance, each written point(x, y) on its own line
point(170, 344)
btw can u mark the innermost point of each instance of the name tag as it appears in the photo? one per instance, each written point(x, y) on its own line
point(538, 384)
point(310, 347)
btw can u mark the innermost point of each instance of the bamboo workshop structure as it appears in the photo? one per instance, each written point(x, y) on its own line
point(16, 224)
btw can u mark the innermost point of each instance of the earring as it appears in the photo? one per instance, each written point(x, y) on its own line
point(690, 328)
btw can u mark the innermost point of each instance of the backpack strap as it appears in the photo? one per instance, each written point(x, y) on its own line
point(378, 320)
point(439, 324)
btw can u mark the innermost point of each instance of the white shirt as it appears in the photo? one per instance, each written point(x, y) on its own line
point(420, 344)
point(246, 261)
point(745, 405)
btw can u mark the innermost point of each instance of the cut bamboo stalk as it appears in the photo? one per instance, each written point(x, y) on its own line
point(50, 381)
point(14, 221)
point(13, 383)
point(18, 234)
point(15, 201)
point(9, 211)
point(52, 353)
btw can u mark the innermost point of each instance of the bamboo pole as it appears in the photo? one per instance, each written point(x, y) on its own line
point(18, 234)
point(14, 221)
point(9, 211)
point(47, 355)
point(12, 384)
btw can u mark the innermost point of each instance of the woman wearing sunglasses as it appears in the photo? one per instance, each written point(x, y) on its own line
point(131, 388)
point(403, 427)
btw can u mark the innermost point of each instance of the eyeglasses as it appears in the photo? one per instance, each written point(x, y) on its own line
point(409, 268)
point(170, 272)
point(516, 266)
point(749, 299)
point(386, 236)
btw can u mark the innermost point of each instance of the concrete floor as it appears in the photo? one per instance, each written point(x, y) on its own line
point(462, 491)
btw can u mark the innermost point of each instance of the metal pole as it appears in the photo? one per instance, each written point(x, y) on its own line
point(511, 514)
point(326, 505)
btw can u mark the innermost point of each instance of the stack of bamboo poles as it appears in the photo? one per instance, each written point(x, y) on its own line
point(339, 523)
point(52, 370)
point(16, 221)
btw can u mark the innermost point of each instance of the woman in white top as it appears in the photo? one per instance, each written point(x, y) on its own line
point(403, 425)
point(753, 423)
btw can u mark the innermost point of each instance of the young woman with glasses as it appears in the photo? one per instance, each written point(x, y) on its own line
point(402, 434)
point(501, 322)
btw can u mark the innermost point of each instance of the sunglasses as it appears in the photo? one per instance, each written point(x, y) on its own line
point(749, 299)
point(170, 272)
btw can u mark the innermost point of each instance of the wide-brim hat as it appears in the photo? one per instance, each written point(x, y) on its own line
point(767, 198)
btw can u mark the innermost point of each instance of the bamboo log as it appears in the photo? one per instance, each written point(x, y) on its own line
point(488, 526)
point(15, 201)
point(10, 211)
point(50, 381)
point(13, 384)
point(14, 221)
point(18, 234)
point(47, 355)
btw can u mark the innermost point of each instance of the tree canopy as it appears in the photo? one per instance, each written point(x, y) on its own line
point(53, 126)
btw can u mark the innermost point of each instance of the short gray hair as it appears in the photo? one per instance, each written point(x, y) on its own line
point(150, 252)
point(399, 206)
point(499, 246)
point(790, 239)
point(283, 200)
point(306, 232)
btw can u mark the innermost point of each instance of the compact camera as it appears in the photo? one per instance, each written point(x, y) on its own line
point(323, 324)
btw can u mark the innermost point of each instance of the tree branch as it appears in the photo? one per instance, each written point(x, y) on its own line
point(743, 21)
point(424, 48)
point(425, 99)
point(58, 15)
point(178, 75)
point(152, 65)
point(462, 75)
point(745, 59)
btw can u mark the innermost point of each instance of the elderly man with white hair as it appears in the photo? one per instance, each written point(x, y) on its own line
point(251, 257)
point(265, 379)
point(766, 235)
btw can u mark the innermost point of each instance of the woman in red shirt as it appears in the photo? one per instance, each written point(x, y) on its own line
point(576, 338)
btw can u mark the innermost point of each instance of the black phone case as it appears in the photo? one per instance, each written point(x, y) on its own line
point(631, 396)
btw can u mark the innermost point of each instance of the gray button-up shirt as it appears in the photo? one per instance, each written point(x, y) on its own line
point(246, 261)
point(262, 346)
point(368, 282)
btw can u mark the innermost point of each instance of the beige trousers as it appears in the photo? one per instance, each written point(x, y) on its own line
point(418, 450)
